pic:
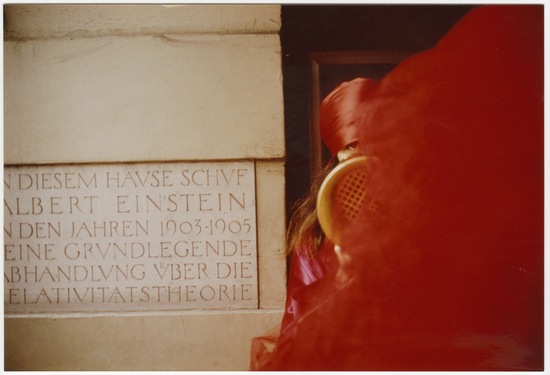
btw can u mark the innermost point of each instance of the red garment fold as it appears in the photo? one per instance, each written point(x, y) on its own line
point(448, 272)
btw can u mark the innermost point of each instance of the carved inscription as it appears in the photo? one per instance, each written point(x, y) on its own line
point(130, 237)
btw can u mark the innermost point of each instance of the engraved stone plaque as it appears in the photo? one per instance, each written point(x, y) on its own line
point(130, 237)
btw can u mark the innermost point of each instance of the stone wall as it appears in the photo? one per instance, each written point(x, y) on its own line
point(149, 94)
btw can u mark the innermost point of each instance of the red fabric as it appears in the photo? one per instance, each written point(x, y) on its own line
point(305, 270)
point(448, 272)
point(341, 113)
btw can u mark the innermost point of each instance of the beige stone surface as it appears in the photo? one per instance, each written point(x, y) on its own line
point(130, 237)
point(58, 20)
point(145, 343)
point(270, 193)
point(125, 84)
point(195, 340)
point(143, 98)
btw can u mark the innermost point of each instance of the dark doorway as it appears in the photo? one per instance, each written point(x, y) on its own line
point(337, 31)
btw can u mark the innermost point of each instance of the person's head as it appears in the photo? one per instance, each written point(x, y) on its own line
point(341, 115)
point(342, 112)
point(347, 152)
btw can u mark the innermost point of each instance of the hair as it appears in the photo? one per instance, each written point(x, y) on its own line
point(304, 230)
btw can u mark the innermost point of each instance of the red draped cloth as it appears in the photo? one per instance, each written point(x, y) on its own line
point(447, 273)
point(307, 268)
